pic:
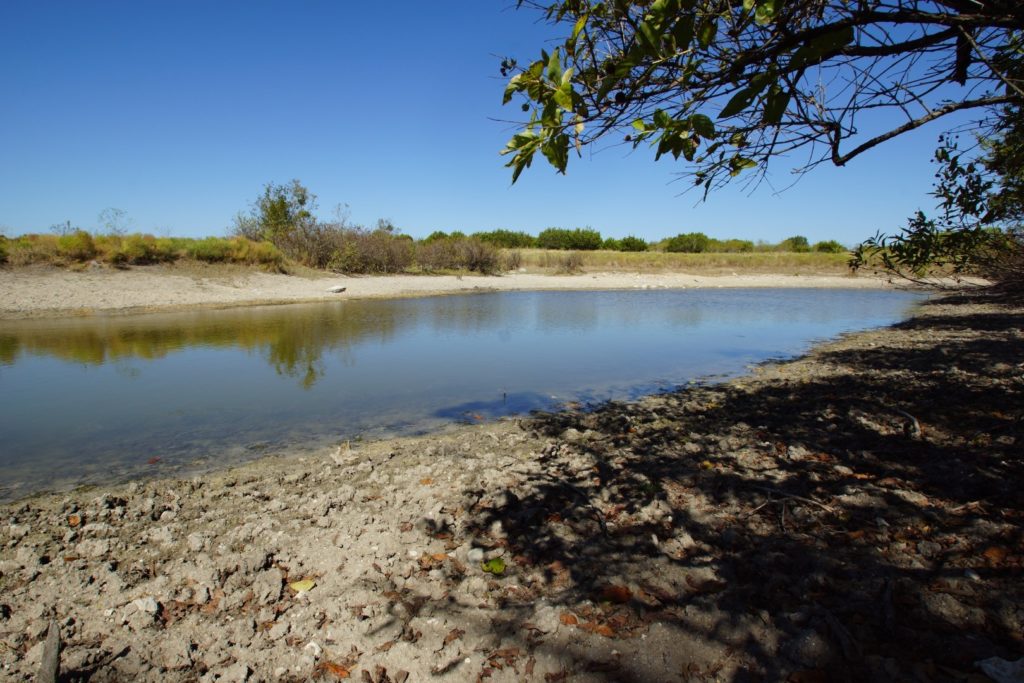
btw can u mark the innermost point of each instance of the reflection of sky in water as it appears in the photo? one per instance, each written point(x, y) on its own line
point(97, 397)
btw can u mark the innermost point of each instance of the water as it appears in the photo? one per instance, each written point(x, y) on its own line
point(107, 398)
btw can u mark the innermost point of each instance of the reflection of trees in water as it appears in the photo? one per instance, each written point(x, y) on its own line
point(293, 339)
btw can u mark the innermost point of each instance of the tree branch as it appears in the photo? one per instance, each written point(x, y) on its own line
point(841, 159)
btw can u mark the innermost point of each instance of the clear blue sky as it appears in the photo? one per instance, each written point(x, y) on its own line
point(178, 112)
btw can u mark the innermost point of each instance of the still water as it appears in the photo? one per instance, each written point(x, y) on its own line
point(107, 398)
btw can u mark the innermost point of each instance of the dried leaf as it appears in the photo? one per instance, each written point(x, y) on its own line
point(384, 647)
point(302, 586)
point(994, 555)
point(427, 481)
point(74, 520)
point(336, 670)
point(568, 619)
point(620, 595)
point(706, 586)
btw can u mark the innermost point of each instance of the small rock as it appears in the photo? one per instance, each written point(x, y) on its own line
point(279, 630)
point(810, 649)
point(475, 555)
point(148, 605)
point(266, 587)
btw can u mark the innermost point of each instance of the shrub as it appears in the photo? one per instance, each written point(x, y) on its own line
point(513, 260)
point(631, 243)
point(731, 246)
point(32, 249)
point(570, 263)
point(507, 239)
point(479, 256)
point(797, 243)
point(434, 237)
point(829, 247)
point(559, 238)
point(612, 244)
point(689, 243)
point(437, 254)
point(76, 246)
point(3, 249)
point(210, 250)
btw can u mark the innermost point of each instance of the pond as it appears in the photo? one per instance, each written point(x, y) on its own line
point(98, 399)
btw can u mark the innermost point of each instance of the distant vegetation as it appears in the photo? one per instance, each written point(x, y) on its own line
point(281, 228)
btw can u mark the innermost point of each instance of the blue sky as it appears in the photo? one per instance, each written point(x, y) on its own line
point(179, 112)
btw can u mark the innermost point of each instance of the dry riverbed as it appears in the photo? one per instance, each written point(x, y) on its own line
point(853, 515)
point(50, 291)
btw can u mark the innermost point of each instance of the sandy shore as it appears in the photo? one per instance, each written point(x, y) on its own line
point(852, 515)
point(29, 292)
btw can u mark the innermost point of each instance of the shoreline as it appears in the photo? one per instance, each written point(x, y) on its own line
point(714, 530)
point(52, 292)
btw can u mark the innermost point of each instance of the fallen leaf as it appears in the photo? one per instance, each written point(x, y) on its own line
point(568, 619)
point(439, 557)
point(855, 535)
point(705, 586)
point(336, 670)
point(620, 595)
point(994, 554)
point(74, 520)
point(384, 647)
point(427, 481)
point(453, 635)
point(302, 586)
point(154, 460)
point(494, 566)
point(706, 465)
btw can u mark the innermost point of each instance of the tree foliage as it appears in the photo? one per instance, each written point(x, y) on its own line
point(728, 85)
point(978, 227)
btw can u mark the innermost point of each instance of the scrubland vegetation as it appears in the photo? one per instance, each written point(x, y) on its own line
point(280, 230)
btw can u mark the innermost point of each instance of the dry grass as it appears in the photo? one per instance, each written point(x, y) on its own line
point(782, 263)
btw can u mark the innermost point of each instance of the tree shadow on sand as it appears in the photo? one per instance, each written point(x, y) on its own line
point(856, 516)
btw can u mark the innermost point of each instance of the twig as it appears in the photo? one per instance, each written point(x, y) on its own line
point(792, 496)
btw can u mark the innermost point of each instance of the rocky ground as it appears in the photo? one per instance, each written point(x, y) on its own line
point(853, 515)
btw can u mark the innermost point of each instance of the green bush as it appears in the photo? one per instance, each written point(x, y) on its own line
point(3, 249)
point(731, 246)
point(611, 244)
point(507, 239)
point(797, 243)
point(584, 239)
point(632, 243)
point(76, 246)
point(210, 250)
point(689, 243)
point(829, 247)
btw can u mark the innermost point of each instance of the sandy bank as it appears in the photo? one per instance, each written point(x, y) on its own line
point(852, 515)
point(29, 292)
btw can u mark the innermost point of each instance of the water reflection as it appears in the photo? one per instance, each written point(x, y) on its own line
point(96, 398)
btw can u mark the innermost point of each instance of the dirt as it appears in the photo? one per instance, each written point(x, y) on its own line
point(852, 515)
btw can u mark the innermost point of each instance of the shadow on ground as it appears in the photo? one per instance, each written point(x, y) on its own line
point(855, 516)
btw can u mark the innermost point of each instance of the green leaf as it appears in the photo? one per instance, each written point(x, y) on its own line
point(578, 28)
point(513, 86)
point(649, 38)
point(737, 164)
point(748, 5)
point(742, 99)
point(563, 98)
point(661, 119)
point(556, 151)
point(683, 32)
point(821, 46)
point(765, 12)
point(555, 66)
point(775, 105)
point(494, 566)
point(640, 126)
point(702, 125)
point(706, 32)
